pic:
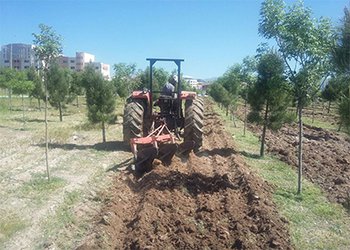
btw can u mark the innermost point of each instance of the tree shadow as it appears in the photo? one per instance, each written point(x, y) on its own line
point(250, 155)
point(30, 120)
point(125, 164)
point(107, 146)
point(193, 183)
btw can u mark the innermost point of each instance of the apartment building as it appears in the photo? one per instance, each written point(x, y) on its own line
point(21, 56)
point(67, 62)
point(103, 68)
point(82, 60)
point(18, 56)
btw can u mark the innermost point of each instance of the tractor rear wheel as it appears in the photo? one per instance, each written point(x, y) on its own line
point(194, 123)
point(133, 121)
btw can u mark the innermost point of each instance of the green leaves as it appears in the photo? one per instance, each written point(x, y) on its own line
point(17, 81)
point(303, 41)
point(341, 50)
point(100, 96)
point(58, 80)
point(47, 44)
point(270, 90)
point(272, 15)
point(125, 79)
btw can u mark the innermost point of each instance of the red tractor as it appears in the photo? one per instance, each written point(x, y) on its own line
point(159, 128)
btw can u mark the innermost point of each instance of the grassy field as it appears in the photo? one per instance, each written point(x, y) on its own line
point(314, 222)
point(38, 214)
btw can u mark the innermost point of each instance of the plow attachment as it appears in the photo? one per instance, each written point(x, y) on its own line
point(156, 145)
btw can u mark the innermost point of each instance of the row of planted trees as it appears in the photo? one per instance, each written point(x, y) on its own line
point(59, 86)
point(308, 54)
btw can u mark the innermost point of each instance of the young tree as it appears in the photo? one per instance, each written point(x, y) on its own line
point(341, 61)
point(231, 81)
point(47, 48)
point(331, 92)
point(21, 86)
point(38, 90)
point(304, 43)
point(220, 94)
point(58, 80)
point(100, 98)
point(7, 76)
point(125, 80)
point(269, 95)
point(248, 77)
point(160, 77)
point(76, 88)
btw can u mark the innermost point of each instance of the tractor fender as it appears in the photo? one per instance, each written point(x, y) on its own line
point(188, 95)
point(138, 94)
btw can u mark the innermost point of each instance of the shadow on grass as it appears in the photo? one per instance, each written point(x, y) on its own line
point(107, 146)
point(123, 165)
point(15, 129)
point(30, 120)
point(250, 155)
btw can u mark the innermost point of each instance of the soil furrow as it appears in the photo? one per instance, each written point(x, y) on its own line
point(209, 201)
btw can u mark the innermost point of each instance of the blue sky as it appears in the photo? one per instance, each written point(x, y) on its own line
point(211, 35)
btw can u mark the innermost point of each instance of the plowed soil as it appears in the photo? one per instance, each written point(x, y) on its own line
point(326, 158)
point(210, 200)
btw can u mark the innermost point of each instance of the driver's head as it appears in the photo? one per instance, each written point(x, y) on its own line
point(173, 79)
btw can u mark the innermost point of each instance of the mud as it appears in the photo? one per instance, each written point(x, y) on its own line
point(206, 201)
point(326, 158)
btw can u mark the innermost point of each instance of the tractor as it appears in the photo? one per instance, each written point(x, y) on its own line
point(160, 127)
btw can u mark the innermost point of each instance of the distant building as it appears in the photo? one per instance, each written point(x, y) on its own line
point(67, 62)
point(22, 56)
point(195, 83)
point(83, 59)
point(102, 68)
point(18, 56)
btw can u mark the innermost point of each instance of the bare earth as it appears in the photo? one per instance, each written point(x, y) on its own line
point(209, 201)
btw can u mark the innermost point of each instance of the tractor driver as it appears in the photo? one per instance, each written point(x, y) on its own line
point(169, 87)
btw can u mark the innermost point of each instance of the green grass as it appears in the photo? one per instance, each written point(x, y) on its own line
point(314, 222)
point(10, 224)
point(63, 221)
point(320, 124)
point(39, 189)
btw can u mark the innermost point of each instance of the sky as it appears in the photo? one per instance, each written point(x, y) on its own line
point(210, 35)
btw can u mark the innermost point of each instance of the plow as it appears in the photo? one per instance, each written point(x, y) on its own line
point(159, 128)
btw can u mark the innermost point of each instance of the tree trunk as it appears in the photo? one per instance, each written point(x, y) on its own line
point(23, 111)
point(329, 107)
point(77, 101)
point(313, 111)
point(262, 147)
point(234, 120)
point(39, 104)
point(322, 108)
point(300, 150)
point(245, 116)
point(60, 109)
point(103, 132)
point(46, 135)
point(10, 99)
point(226, 110)
point(349, 105)
point(340, 125)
